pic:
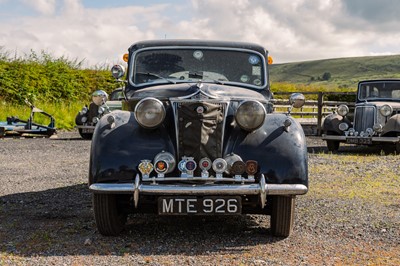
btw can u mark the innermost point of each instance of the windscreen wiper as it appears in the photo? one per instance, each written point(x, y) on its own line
point(149, 74)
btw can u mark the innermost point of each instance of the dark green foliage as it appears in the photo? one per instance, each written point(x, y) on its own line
point(48, 79)
point(326, 76)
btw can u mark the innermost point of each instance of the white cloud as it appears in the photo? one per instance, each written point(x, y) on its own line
point(45, 7)
point(292, 30)
point(97, 35)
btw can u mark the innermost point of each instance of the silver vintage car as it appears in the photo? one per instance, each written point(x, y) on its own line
point(376, 117)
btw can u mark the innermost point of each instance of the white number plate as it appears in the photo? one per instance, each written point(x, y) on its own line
point(87, 130)
point(199, 205)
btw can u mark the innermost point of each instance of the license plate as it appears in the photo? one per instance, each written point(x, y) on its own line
point(199, 205)
point(87, 130)
point(361, 141)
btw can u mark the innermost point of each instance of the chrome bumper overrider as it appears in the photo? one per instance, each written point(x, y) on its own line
point(374, 139)
point(262, 188)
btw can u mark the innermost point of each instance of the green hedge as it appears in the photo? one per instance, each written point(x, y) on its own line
point(45, 78)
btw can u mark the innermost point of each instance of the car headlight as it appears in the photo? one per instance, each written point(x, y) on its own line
point(84, 111)
point(99, 97)
point(101, 110)
point(343, 110)
point(250, 115)
point(386, 110)
point(149, 112)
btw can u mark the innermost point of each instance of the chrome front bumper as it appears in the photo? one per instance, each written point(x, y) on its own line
point(374, 139)
point(262, 188)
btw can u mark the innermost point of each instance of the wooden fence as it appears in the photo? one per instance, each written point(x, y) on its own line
point(313, 112)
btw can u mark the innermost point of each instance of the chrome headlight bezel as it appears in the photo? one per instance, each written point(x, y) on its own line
point(386, 110)
point(250, 115)
point(99, 97)
point(149, 112)
point(343, 110)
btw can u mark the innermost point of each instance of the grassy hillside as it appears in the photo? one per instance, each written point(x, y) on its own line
point(343, 72)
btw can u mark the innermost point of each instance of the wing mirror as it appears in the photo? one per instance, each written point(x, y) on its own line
point(297, 100)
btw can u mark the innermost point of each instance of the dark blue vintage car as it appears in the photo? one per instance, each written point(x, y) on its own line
point(198, 138)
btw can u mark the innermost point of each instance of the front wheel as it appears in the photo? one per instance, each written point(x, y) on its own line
point(333, 145)
point(282, 217)
point(110, 220)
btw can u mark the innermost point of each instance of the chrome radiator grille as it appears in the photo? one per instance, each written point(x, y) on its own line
point(364, 118)
point(200, 126)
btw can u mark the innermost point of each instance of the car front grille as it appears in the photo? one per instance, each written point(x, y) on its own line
point(364, 118)
point(200, 126)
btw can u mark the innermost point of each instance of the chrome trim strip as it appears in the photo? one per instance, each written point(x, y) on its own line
point(374, 139)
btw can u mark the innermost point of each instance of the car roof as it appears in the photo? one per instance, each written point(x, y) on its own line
point(379, 80)
point(194, 43)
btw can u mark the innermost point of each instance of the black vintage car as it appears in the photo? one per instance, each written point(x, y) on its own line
point(376, 117)
point(198, 138)
point(86, 119)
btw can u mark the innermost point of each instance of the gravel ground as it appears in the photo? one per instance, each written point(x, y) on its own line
point(351, 215)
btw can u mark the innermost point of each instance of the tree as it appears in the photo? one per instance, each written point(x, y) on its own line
point(326, 76)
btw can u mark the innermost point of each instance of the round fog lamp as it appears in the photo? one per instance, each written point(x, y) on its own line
point(369, 131)
point(386, 110)
point(343, 126)
point(95, 120)
point(377, 128)
point(343, 110)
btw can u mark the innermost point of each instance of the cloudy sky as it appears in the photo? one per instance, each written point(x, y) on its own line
point(100, 31)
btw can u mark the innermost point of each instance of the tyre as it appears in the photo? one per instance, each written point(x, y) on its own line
point(110, 220)
point(398, 148)
point(333, 145)
point(85, 135)
point(282, 216)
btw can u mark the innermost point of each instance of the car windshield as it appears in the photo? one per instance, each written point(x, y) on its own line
point(193, 65)
point(385, 90)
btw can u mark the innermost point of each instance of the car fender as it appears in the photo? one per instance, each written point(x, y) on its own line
point(392, 125)
point(281, 152)
point(117, 147)
point(332, 121)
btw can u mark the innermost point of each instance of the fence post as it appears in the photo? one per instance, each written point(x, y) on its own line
point(320, 106)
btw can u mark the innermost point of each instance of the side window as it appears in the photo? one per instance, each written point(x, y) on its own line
point(396, 94)
point(374, 92)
